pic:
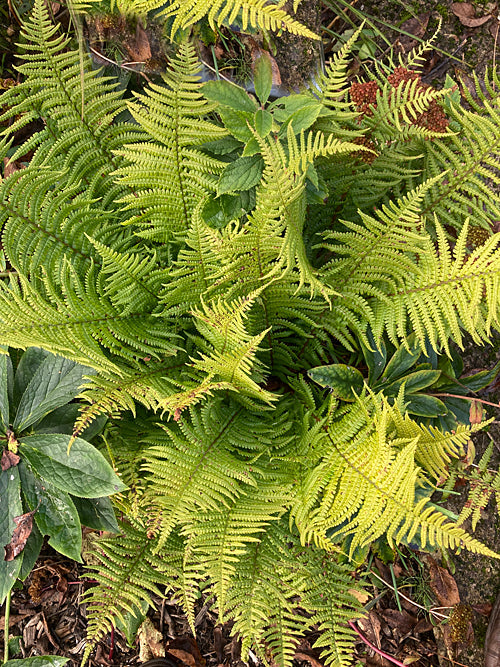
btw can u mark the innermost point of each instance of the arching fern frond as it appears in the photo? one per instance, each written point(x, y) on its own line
point(166, 172)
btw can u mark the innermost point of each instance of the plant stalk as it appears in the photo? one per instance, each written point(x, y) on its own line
point(6, 629)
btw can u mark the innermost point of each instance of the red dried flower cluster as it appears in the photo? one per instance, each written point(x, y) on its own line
point(433, 118)
point(364, 94)
point(366, 157)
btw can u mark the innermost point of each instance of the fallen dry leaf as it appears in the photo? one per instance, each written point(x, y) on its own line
point(150, 641)
point(360, 596)
point(443, 585)
point(370, 625)
point(300, 655)
point(466, 13)
point(476, 412)
point(186, 649)
point(139, 49)
point(415, 26)
point(24, 526)
point(9, 459)
point(401, 621)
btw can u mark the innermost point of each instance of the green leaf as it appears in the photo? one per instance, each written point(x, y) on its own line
point(4, 392)
point(413, 382)
point(84, 472)
point(28, 365)
point(375, 358)
point(229, 95)
point(480, 380)
point(425, 406)
point(96, 513)
point(402, 359)
point(10, 507)
point(62, 420)
point(301, 119)
point(56, 382)
point(222, 146)
point(263, 122)
point(242, 174)
point(130, 622)
point(263, 77)
point(251, 147)
point(38, 661)
point(345, 381)
point(218, 211)
point(238, 123)
point(31, 552)
point(55, 514)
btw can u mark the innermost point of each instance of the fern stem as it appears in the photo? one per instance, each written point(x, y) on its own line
point(374, 648)
point(6, 629)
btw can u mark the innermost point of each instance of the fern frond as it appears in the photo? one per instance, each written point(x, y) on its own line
point(167, 174)
point(484, 483)
point(128, 571)
point(77, 113)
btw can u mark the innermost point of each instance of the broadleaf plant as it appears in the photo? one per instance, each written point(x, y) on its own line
point(46, 487)
point(205, 259)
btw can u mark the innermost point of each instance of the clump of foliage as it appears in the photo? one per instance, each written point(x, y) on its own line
point(244, 276)
point(43, 489)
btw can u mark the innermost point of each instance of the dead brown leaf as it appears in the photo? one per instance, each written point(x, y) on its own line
point(401, 621)
point(186, 649)
point(139, 48)
point(443, 585)
point(9, 459)
point(150, 641)
point(24, 526)
point(415, 26)
point(476, 412)
point(300, 655)
point(492, 640)
point(370, 625)
point(466, 13)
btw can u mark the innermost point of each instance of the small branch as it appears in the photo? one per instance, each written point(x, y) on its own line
point(374, 648)
point(415, 604)
point(468, 398)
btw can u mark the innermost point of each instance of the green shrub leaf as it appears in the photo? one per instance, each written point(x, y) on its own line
point(10, 507)
point(263, 77)
point(242, 174)
point(229, 95)
point(55, 382)
point(96, 513)
point(83, 472)
point(345, 381)
point(55, 514)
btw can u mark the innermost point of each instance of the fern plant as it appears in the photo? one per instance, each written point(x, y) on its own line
point(208, 259)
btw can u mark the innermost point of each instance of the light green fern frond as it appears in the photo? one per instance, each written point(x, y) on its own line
point(77, 108)
point(166, 173)
point(128, 571)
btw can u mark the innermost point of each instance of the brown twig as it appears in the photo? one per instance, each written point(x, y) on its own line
point(467, 398)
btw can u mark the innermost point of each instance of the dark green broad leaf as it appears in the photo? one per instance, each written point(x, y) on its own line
point(375, 357)
point(480, 380)
point(222, 146)
point(229, 95)
point(62, 420)
point(413, 382)
point(38, 661)
point(4, 391)
point(55, 382)
point(263, 77)
point(251, 147)
point(55, 515)
point(242, 174)
point(219, 211)
point(403, 359)
point(31, 552)
point(238, 123)
point(129, 623)
point(425, 406)
point(96, 513)
point(263, 122)
point(84, 472)
point(28, 365)
point(345, 381)
point(10, 507)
